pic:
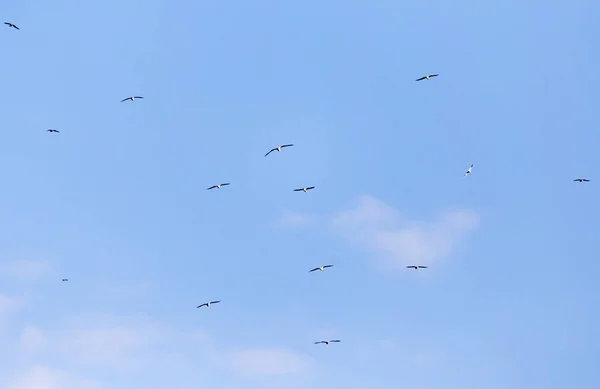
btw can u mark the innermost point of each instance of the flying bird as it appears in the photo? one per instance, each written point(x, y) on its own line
point(52, 130)
point(304, 189)
point(278, 149)
point(581, 180)
point(218, 186)
point(11, 25)
point(468, 171)
point(429, 77)
point(320, 268)
point(416, 267)
point(132, 98)
point(208, 304)
point(328, 341)
point(65, 279)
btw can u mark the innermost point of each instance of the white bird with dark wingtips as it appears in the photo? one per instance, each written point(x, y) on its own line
point(132, 98)
point(278, 149)
point(469, 171)
point(327, 341)
point(218, 186)
point(416, 267)
point(320, 268)
point(304, 189)
point(208, 304)
point(429, 77)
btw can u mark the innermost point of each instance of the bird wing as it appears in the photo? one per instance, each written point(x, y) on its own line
point(422, 267)
point(215, 302)
point(586, 180)
point(128, 98)
point(326, 266)
point(138, 97)
point(433, 75)
point(411, 267)
point(335, 341)
point(227, 183)
point(320, 342)
point(310, 187)
point(419, 79)
point(202, 305)
point(16, 27)
point(270, 152)
point(315, 269)
point(298, 190)
point(212, 187)
point(56, 131)
point(287, 145)
point(7, 23)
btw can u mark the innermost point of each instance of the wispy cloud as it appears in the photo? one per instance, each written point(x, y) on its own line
point(32, 339)
point(269, 361)
point(27, 269)
point(293, 220)
point(77, 351)
point(379, 227)
point(8, 305)
point(43, 377)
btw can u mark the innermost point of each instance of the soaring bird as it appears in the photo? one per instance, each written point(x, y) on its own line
point(304, 189)
point(416, 267)
point(468, 171)
point(581, 180)
point(208, 304)
point(328, 341)
point(320, 268)
point(11, 25)
point(132, 98)
point(429, 77)
point(278, 149)
point(52, 130)
point(218, 186)
point(65, 279)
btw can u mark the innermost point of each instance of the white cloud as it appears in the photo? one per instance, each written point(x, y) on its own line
point(381, 228)
point(32, 339)
point(42, 377)
point(8, 305)
point(27, 269)
point(293, 220)
point(269, 361)
point(105, 346)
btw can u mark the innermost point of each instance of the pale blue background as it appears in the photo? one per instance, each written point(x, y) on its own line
point(117, 203)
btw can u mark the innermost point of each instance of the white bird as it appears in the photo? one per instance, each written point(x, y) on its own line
point(327, 341)
point(320, 268)
point(132, 98)
point(208, 304)
point(304, 189)
point(217, 186)
point(278, 149)
point(468, 171)
point(429, 77)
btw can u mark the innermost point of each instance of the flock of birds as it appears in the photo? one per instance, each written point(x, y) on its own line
point(304, 189)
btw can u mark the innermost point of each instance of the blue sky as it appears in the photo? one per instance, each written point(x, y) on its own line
point(117, 203)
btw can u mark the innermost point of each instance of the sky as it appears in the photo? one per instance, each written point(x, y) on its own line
point(117, 201)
